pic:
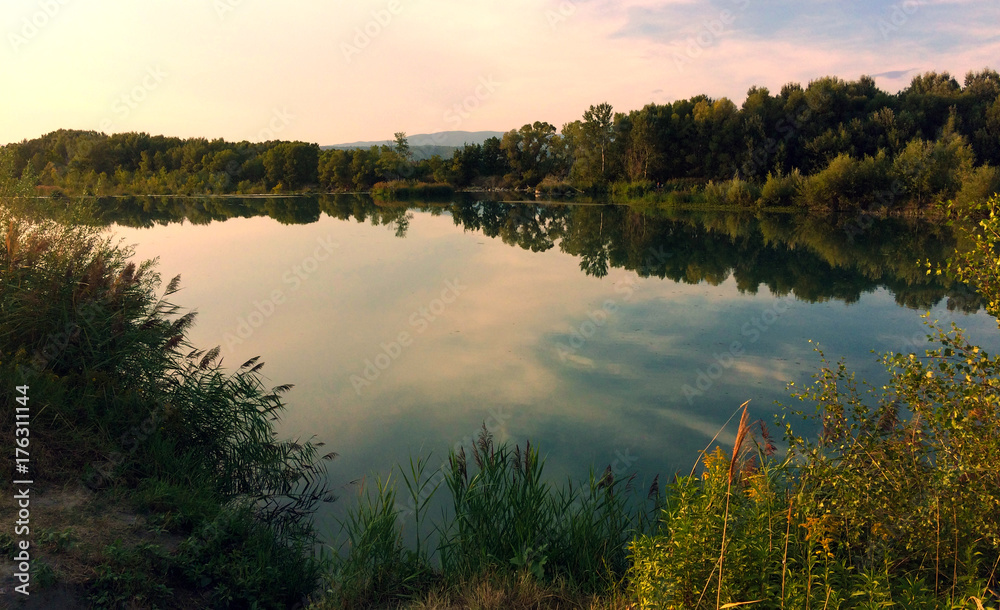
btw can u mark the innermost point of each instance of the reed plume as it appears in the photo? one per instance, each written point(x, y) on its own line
point(741, 434)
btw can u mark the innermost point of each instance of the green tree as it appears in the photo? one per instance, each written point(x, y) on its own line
point(292, 164)
point(363, 168)
point(403, 146)
point(598, 128)
point(933, 171)
point(640, 151)
point(531, 152)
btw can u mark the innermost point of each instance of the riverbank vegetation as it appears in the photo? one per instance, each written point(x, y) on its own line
point(158, 478)
point(830, 145)
point(403, 190)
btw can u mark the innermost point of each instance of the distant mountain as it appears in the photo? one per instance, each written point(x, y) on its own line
point(419, 152)
point(452, 139)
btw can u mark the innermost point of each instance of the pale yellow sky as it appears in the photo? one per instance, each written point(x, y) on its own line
point(340, 71)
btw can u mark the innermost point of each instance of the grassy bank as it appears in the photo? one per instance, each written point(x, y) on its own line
point(847, 185)
point(158, 480)
point(406, 190)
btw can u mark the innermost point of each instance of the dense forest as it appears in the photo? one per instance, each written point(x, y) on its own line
point(833, 144)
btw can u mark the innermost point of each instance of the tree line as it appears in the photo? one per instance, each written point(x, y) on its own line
point(831, 144)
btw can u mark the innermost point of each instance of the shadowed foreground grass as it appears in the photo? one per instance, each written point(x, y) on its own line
point(159, 480)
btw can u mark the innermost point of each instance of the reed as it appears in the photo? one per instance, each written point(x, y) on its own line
point(137, 413)
point(504, 521)
point(741, 433)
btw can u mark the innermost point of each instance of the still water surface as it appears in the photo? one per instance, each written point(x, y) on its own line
point(603, 335)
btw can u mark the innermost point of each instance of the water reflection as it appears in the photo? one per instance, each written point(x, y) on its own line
point(812, 258)
point(605, 335)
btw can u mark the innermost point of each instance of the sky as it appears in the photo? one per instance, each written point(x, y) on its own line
point(333, 71)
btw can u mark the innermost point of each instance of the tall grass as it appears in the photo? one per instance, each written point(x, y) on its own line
point(505, 522)
point(122, 401)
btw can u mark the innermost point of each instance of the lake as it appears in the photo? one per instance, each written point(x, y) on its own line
point(604, 334)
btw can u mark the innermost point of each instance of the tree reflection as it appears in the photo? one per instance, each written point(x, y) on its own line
point(814, 258)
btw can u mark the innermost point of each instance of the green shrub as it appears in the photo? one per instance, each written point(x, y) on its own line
point(978, 186)
point(730, 193)
point(715, 193)
point(244, 562)
point(932, 171)
point(629, 191)
point(742, 193)
point(850, 184)
point(781, 189)
point(735, 511)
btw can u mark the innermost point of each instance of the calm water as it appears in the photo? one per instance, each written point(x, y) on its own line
point(605, 336)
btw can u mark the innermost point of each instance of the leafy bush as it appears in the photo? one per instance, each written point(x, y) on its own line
point(735, 192)
point(781, 189)
point(932, 171)
point(715, 193)
point(726, 521)
point(244, 562)
point(978, 186)
point(848, 183)
point(632, 190)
